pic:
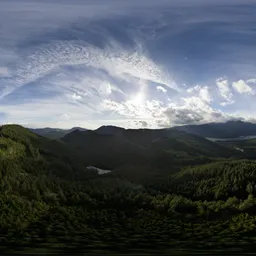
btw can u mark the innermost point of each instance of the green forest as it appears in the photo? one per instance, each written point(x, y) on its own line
point(179, 192)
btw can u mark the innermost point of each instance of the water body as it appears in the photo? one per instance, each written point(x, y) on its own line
point(233, 139)
point(100, 171)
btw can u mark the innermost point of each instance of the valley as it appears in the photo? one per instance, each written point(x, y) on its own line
point(142, 190)
point(127, 127)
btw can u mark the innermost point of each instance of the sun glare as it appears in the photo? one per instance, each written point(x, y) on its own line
point(138, 99)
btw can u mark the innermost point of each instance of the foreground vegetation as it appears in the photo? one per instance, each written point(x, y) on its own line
point(50, 203)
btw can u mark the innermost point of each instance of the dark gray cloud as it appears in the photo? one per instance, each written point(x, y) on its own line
point(183, 116)
point(142, 124)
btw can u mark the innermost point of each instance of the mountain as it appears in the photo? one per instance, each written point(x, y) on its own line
point(36, 154)
point(167, 139)
point(113, 147)
point(106, 151)
point(110, 130)
point(51, 204)
point(54, 133)
point(230, 129)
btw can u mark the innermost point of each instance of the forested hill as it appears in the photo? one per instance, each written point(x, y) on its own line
point(150, 153)
point(145, 138)
point(21, 147)
point(50, 203)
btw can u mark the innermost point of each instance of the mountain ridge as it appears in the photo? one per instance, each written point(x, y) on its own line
point(54, 133)
point(136, 143)
point(229, 129)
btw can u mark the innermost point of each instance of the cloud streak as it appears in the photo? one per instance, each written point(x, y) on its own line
point(132, 63)
point(117, 62)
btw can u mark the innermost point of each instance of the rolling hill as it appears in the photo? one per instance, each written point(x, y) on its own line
point(143, 147)
point(113, 147)
point(168, 139)
point(50, 202)
point(54, 133)
point(36, 154)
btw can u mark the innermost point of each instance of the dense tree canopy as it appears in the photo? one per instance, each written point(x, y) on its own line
point(49, 201)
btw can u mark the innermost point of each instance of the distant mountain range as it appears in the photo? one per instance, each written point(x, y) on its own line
point(230, 129)
point(54, 133)
point(136, 154)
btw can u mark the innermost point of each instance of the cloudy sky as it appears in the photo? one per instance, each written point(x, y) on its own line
point(136, 63)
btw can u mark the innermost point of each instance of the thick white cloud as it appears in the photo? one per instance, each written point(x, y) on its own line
point(161, 88)
point(109, 63)
point(192, 110)
point(242, 87)
point(189, 110)
point(89, 107)
point(225, 91)
point(76, 96)
point(201, 91)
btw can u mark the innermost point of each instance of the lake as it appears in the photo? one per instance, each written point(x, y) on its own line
point(233, 139)
point(100, 171)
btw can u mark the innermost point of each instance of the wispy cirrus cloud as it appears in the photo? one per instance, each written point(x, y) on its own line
point(141, 63)
point(117, 62)
point(161, 88)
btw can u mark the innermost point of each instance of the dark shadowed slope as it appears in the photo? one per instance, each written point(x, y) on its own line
point(37, 154)
point(168, 139)
point(113, 146)
point(49, 201)
point(47, 206)
point(106, 150)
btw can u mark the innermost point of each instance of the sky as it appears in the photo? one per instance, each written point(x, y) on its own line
point(134, 64)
